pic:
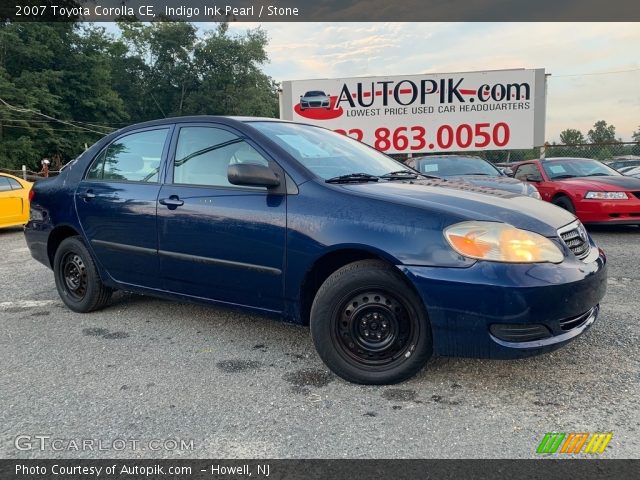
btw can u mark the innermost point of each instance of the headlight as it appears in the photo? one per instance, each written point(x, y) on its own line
point(500, 242)
point(606, 195)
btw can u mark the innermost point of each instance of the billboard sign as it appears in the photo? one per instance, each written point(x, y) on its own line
point(491, 110)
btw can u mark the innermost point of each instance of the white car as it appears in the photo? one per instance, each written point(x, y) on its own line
point(315, 99)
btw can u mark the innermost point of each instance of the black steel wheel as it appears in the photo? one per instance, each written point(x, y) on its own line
point(75, 275)
point(77, 279)
point(374, 328)
point(369, 326)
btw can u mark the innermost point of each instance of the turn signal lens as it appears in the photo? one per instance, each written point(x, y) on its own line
point(500, 242)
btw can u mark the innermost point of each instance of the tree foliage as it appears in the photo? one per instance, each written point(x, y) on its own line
point(571, 136)
point(602, 133)
point(97, 81)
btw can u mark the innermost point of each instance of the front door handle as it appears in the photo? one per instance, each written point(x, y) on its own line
point(172, 202)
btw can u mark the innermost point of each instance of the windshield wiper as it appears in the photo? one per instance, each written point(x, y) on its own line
point(406, 175)
point(400, 174)
point(600, 174)
point(353, 177)
point(476, 173)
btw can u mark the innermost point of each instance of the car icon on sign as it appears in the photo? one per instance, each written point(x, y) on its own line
point(315, 99)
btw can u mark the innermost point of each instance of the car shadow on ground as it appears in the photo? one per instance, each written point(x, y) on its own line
point(624, 229)
point(10, 231)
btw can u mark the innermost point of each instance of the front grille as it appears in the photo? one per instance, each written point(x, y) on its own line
point(576, 238)
point(574, 322)
point(315, 104)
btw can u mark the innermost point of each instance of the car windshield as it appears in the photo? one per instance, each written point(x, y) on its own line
point(328, 154)
point(453, 166)
point(577, 167)
point(314, 94)
point(620, 164)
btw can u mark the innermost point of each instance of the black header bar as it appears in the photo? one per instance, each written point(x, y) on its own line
point(323, 10)
point(543, 469)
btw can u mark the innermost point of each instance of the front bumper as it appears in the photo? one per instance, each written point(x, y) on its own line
point(620, 212)
point(465, 305)
point(325, 104)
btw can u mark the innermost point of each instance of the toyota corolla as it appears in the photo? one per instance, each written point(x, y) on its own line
point(388, 266)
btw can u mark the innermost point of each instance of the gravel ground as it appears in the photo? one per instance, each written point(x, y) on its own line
point(240, 386)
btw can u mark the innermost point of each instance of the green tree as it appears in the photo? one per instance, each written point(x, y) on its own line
point(49, 72)
point(63, 85)
point(181, 72)
point(602, 133)
point(571, 136)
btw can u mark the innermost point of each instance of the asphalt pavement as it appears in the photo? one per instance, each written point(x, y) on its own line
point(148, 378)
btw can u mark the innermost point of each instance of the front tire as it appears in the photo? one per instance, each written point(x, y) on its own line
point(564, 202)
point(369, 326)
point(77, 279)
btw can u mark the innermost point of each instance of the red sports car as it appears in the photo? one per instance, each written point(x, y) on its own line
point(587, 188)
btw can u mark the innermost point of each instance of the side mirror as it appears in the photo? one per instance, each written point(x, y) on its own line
point(252, 175)
point(507, 171)
point(532, 177)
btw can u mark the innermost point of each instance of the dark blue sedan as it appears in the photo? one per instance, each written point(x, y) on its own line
point(388, 266)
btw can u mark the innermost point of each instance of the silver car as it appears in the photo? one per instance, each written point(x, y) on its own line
point(315, 99)
point(470, 169)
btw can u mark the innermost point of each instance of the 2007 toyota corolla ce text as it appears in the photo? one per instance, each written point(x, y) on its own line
point(386, 265)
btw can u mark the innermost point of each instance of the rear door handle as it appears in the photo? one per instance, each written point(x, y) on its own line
point(88, 195)
point(172, 202)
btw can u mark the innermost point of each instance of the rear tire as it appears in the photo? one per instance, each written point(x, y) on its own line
point(564, 202)
point(369, 326)
point(77, 279)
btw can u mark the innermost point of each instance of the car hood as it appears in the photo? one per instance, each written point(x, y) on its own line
point(470, 202)
point(610, 184)
point(503, 183)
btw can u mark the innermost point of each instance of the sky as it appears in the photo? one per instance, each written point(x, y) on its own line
point(577, 55)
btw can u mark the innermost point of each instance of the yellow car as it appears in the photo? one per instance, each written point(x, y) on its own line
point(14, 200)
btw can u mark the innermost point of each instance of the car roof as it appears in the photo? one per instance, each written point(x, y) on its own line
point(20, 180)
point(224, 119)
point(553, 159)
point(426, 157)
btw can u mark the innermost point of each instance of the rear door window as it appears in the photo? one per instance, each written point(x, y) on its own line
point(14, 184)
point(4, 184)
point(133, 158)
